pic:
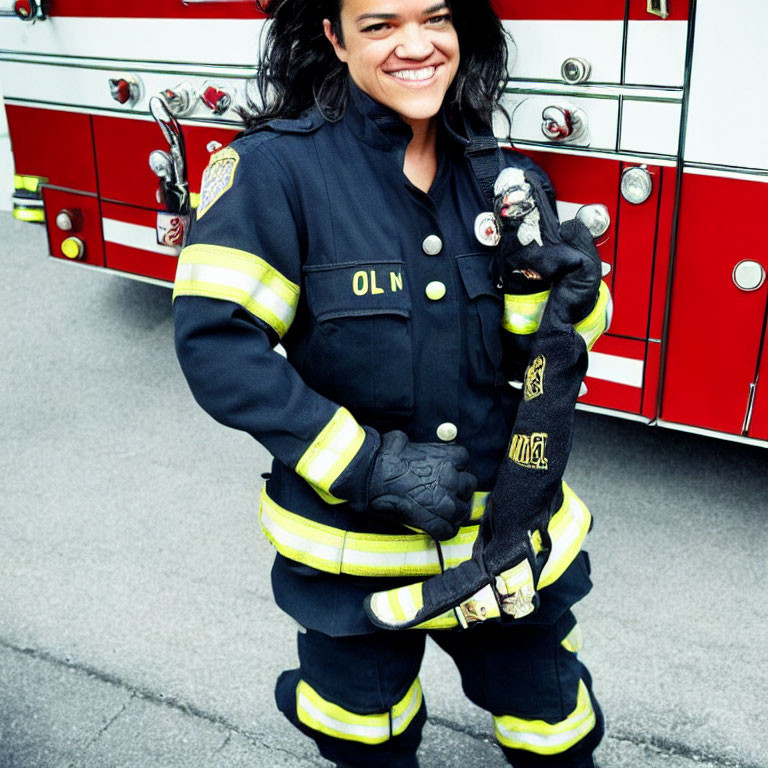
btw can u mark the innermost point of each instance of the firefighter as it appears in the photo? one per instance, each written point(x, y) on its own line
point(352, 223)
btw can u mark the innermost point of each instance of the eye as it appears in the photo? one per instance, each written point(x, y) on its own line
point(443, 20)
point(382, 26)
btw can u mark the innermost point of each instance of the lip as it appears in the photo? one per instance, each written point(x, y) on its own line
point(414, 84)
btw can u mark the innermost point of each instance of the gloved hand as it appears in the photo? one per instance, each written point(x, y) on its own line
point(502, 576)
point(421, 485)
point(536, 246)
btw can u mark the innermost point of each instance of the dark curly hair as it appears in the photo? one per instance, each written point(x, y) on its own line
point(300, 69)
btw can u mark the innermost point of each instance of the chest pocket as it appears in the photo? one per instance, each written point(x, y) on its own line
point(361, 340)
point(484, 350)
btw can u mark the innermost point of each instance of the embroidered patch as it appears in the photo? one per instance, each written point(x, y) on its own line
point(217, 178)
point(530, 451)
point(534, 378)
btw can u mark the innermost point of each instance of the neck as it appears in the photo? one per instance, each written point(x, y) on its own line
point(420, 165)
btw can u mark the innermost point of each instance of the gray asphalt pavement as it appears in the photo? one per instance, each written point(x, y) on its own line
point(136, 622)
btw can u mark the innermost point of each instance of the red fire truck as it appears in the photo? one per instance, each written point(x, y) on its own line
point(648, 111)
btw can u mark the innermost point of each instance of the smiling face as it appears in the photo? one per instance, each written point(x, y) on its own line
point(402, 53)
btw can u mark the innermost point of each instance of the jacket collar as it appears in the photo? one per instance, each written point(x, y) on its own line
point(382, 128)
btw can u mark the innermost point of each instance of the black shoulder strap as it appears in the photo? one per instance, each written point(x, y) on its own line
point(487, 162)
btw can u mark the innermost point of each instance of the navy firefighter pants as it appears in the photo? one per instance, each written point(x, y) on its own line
point(360, 698)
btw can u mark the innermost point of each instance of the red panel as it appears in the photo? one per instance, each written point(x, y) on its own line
point(651, 379)
point(579, 179)
point(560, 9)
point(242, 9)
point(136, 260)
point(86, 209)
point(633, 269)
point(678, 11)
point(122, 151)
point(661, 260)
point(55, 145)
point(715, 328)
point(608, 394)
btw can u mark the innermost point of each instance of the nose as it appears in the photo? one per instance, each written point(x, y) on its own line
point(414, 43)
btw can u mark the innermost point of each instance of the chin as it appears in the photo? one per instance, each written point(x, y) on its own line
point(422, 111)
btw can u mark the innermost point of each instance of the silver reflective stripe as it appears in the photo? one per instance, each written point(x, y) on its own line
point(260, 294)
point(374, 733)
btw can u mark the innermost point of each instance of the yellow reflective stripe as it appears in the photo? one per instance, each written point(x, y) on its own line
point(522, 312)
point(447, 620)
point(297, 538)
point(406, 709)
point(218, 272)
point(330, 453)
point(598, 320)
point(27, 183)
point(28, 214)
point(567, 529)
point(459, 548)
point(322, 715)
point(335, 550)
point(397, 606)
point(479, 501)
point(573, 641)
point(545, 738)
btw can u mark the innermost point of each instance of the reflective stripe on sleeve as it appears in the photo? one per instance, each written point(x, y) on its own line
point(334, 550)
point(330, 453)
point(321, 715)
point(567, 530)
point(218, 272)
point(522, 315)
point(597, 322)
point(522, 312)
point(545, 738)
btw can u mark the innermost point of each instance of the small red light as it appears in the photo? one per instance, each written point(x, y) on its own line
point(23, 8)
point(120, 89)
point(216, 100)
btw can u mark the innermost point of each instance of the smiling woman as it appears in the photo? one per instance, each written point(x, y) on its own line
point(352, 223)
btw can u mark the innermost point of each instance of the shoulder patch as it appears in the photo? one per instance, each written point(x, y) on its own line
point(217, 178)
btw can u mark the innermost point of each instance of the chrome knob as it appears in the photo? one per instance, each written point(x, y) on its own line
point(180, 99)
point(69, 220)
point(596, 218)
point(125, 90)
point(575, 70)
point(564, 124)
point(748, 275)
point(636, 184)
point(218, 100)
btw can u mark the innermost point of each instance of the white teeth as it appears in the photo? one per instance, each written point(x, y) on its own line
point(414, 74)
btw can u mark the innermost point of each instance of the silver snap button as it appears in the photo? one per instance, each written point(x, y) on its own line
point(432, 245)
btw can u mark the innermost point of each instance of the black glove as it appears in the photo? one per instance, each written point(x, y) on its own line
point(535, 246)
point(502, 576)
point(421, 485)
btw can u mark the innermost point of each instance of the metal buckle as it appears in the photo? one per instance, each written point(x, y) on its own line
point(478, 608)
